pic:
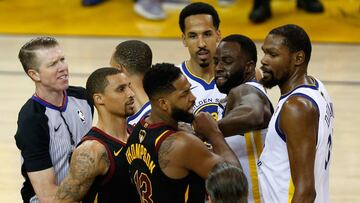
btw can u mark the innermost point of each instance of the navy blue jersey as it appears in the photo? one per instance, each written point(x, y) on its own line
point(151, 183)
point(115, 186)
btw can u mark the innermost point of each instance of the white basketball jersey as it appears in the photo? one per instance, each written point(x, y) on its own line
point(274, 167)
point(248, 148)
point(134, 119)
point(207, 94)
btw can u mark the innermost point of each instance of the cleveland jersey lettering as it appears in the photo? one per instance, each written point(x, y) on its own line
point(151, 183)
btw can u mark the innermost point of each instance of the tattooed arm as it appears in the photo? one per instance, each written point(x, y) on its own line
point(88, 161)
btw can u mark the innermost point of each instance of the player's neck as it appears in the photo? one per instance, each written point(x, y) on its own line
point(114, 126)
point(140, 95)
point(156, 117)
point(55, 98)
point(296, 79)
point(206, 73)
point(249, 78)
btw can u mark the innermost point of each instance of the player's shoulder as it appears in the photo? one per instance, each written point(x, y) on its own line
point(243, 90)
point(77, 92)
point(298, 105)
point(32, 112)
point(91, 146)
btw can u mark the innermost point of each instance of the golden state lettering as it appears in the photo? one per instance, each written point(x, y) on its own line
point(138, 151)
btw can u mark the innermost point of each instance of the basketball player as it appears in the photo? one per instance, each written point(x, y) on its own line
point(165, 162)
point(227, 183)
point(134, 57)
point(247, 107)
point(98, 168)
point(199, 23)
point(294, 165)
point(52, 122)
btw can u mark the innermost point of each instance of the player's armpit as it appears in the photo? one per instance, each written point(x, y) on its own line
point(88, 161)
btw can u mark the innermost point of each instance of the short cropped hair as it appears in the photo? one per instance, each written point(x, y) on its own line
point(198, 8)
point(159, 78)
point(247, 46)
point(97, 81)
point(134, 55)
point(27, 53)
point(227, 184)
point(295, 38)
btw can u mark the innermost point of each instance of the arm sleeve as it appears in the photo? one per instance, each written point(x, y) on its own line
point(32, 138)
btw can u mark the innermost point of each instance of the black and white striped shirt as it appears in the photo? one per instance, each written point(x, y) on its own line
point(47, 134)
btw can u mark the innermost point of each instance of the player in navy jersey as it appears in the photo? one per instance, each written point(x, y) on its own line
point(134, 57)
point(98, 168)
point(248, 109)
point(167, 164)
point(294, 165)
point(52, 122)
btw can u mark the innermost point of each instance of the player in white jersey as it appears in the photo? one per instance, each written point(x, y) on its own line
point(134, 57)
point(207, 94)
point(199, 23)
point(294, 165)
point(247, 107)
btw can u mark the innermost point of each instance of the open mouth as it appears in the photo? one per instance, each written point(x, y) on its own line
point(64, 77)
point(220, 78)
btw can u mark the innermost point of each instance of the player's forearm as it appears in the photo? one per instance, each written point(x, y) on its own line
point(44, 184)
point(47, 194)
point(68, 192)
point(242, 123)
point(304, 196)
point(221, 148)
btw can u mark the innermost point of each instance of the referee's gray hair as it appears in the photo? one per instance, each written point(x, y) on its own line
point(227, 184)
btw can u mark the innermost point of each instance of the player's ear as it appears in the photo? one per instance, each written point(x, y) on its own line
point(218, 36)
point(299, 57)
point(183, 37)
point(249, 67)
point(163, 104)
point(33, 74)
point(98, 99)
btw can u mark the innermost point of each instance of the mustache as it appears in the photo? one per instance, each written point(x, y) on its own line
point(265, 69)
point(131, 100)
point(202, 49)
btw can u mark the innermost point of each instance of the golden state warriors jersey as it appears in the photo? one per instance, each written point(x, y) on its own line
point(248, 148)
point(134, 119)
point(274, 167)
point(207, 94)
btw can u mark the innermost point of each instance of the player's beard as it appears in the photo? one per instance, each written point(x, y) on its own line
point(181, 115)
point(272, 81)
point(204, 64)
point(231, 81)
